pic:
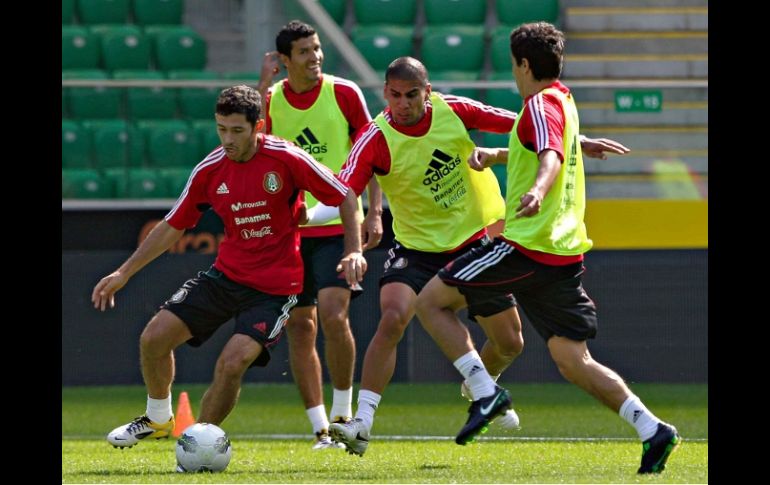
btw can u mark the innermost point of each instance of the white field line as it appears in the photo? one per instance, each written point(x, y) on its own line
point(415, 438)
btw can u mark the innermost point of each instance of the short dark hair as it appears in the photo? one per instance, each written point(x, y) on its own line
point(289, 33)
point(240, 99)
point(407, 69)
point(542, 45)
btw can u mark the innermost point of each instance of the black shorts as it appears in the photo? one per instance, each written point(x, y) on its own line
point(551, 296)
point(209, 300)
point(320, 256)
point(415, 268)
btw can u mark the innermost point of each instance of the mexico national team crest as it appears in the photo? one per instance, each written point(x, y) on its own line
point(400, 263)
point(272, 182)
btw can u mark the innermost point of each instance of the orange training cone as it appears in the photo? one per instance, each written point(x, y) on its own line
point(184, 416)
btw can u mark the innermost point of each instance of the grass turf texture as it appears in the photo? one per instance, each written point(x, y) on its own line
point(566, 437)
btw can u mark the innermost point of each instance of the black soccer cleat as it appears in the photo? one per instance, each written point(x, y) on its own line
point(481, 412)
point(656, 450)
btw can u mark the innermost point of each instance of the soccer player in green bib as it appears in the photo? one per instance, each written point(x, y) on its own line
point(539, 255)
point(321, 114)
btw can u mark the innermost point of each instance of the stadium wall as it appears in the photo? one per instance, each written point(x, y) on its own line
point(653, 320)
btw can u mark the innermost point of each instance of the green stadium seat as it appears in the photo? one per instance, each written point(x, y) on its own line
point(67, 11)
point(509, 98)
point(336, 9)
point(150, 12)
point(123, 47)
point(170, 143)
point(79, 48)
point(196, 102)
point(116, 143)
point(455, 12)
point(500, 48)
point(103, 11)
point(205, 131)
point(148, 103)
point(381, 44)
point(332, 59)
point(84, 184)
point(152, 31)
point(472, 93)
point(75, 145)
point(459, 47)
point(92, 102)
point(145, 183)
point(175, 180)
point(369, 12)
point(495, 140)
point(179, 49)
point(515, 12)
point(374, 100)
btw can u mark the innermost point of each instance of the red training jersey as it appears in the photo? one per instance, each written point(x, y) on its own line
point(257, 202)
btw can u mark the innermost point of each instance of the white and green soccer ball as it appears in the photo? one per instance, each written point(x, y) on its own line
point(203, 447)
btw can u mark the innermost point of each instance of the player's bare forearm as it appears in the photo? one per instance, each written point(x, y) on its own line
point(482, 157)
point(372, 225)
point(531, 201)
point(599, 147)
point(353, 262)
point(160, 238)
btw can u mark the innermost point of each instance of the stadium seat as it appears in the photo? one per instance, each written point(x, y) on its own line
point(174, 179)
point(84, 184)
point(472, 93)
point(332, 58)
point(67, 11)
point(92, 102)
point(123, 47)
point(336, 9)
point(455, 12)
point(374, 100)
point(145, 183)
point(500, 173)
point(500, 48)
point(205, 131)
point(179, 49)
point(148, 103)
point(251, 76)
point(509, 98)
point(79, 48)
point(170, 144)
point(515, 12)
point(380, 44)
point(116, 143)
point(456, 47)
point(196, 102)
point(369, 12)
point(103, 11)
point(151, 12)
point(75, 145)
point(495, 140)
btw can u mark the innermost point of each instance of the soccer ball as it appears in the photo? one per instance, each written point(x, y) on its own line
point(203, 447)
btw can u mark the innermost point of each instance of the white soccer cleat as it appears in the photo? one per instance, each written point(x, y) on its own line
point(140, 428)
point(353, 434)
point(324, 442)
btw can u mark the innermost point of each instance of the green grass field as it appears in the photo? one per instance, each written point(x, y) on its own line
point(566, 437)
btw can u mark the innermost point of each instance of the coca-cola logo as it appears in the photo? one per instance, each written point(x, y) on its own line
point(262, 232)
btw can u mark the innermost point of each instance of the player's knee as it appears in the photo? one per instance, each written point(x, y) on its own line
point(392, 324)
point(232, 366)
point(301, 328)
point(512, 347)
point(153, 343)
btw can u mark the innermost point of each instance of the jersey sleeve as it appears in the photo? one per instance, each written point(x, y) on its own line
point(352, 103)
point(369, 156)
point(193, 201)
point(314, 177)
point(480, 116)
point(542, 124)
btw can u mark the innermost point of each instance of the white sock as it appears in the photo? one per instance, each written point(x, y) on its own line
point(317, 417)
point(367, 405)
point(476, 375)
point(341, 403)
point(159, 410)
point(638, 416)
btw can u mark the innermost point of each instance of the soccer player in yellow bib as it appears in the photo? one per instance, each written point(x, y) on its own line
point(321, 114)
point(539, 255)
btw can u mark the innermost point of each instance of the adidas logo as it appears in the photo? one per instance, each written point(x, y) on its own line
point(474, 370)
point(308, 141)
point(637, 413)
point(222, 189)
point(439, 167)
